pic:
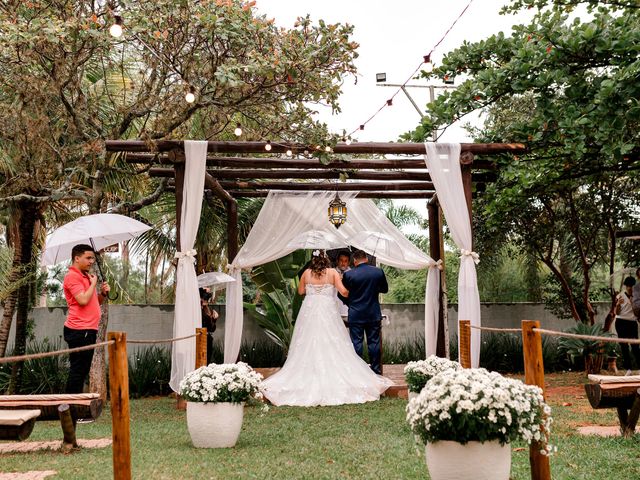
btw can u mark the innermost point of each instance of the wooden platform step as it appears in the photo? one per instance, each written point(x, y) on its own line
point(393, 372)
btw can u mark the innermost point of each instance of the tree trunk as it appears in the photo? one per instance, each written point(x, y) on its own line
point(98, 372)
point(16, 274)
point(26, 232)
point(126, 267)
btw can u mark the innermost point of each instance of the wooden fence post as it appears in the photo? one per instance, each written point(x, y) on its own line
point(119, 390)
point(534, 375)
point(201, 347)
point(465, 343)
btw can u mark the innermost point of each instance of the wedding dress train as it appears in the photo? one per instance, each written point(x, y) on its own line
point(322, 367)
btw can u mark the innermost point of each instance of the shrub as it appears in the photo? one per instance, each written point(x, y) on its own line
point(229, 382)
point(42, 375)
point(149, 372)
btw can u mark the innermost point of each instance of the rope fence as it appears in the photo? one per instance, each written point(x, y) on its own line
point(555, 333)
point(500, 330)
point(634, 341)
point(33, 356)
point(164, 340)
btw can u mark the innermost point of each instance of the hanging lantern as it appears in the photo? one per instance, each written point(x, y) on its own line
point(337, 211)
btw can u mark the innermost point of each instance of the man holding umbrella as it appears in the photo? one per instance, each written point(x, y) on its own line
point(84, 301)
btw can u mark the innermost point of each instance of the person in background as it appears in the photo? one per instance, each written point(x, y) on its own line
point(83, 317)
point(342, 266)
point(209, 319)
point(627, 324)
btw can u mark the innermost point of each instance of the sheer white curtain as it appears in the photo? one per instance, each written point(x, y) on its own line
point(286, 217)
point(187, 305)
point(443, 162)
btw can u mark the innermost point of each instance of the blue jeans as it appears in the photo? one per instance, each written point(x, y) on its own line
point(372, 331)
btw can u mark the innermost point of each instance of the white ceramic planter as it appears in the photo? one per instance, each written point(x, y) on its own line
point(448, 460)
point(214, 425)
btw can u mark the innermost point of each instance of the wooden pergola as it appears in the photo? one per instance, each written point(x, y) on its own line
point(233, 173)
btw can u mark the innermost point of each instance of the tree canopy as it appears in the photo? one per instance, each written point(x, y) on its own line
point(566, 84)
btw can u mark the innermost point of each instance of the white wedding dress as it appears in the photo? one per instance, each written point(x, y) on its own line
point(322, 367)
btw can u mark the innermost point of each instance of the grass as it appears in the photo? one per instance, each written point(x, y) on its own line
point(353, 441)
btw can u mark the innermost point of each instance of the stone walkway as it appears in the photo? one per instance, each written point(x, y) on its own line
point(23, 447)
point(32, 475)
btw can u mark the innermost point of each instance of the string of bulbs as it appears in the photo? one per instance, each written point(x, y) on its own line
point(116, 31)
point(426, 61)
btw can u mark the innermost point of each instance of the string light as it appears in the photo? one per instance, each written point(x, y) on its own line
point(327, 149)
point(289, 153)
point(116, 29)
point(428, 66)
point(348, 141)
point(190, 97)
point(267, 146)
point(238, 130)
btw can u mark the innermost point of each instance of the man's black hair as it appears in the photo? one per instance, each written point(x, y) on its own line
point(79, 250)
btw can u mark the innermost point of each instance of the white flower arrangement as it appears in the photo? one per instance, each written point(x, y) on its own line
point(227, 382)
point(478, 405)
point(418, 373)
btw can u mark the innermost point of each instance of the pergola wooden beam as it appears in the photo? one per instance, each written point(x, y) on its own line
point(338, 187)
point(274, 162)
point(259, 147)
point(233, 174)
point(361, 194)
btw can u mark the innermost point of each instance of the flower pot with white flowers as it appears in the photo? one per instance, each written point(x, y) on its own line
point(215, 397)
point(418, 373)
point(468, 418)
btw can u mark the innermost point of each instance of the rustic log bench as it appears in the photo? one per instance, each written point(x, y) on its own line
point(83, 405)
point(17, 424)
point(621, 393)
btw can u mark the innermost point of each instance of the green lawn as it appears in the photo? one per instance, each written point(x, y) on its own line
point(361, 441)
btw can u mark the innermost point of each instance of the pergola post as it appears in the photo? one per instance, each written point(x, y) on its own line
point(436, 251)
point(232, 229)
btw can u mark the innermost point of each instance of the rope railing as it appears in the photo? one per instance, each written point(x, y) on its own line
point(33, 356)
point(494, 329)
point(555, 333)
point(164, 340)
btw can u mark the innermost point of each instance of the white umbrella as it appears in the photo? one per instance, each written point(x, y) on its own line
point(372, 242)
point(211, 279)
point(99, 231)
point(316, 239)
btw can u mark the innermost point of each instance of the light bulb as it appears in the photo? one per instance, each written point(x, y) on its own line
point(428, 67)
point(289, 153)
point(348, 141)
point(267, 146)
point(190, 97)
point(238, 131)
point(327, 149)
point(116, 29)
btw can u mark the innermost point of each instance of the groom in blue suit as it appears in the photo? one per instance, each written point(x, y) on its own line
point(364, 283)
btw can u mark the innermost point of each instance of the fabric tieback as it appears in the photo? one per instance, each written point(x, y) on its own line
point(188, 254)
point(468, 253)
point(437, 265)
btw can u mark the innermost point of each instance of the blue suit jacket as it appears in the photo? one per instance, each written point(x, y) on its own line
point(364, 283)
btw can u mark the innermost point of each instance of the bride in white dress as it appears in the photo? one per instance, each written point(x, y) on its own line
point(322, 367)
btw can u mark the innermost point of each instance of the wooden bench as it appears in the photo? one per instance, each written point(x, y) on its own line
point(83, 405)
point(17, 424)
point(621, 393)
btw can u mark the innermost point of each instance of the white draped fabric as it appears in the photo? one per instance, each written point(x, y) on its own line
point(443, 162)
point(187, 304)
point(287, 218)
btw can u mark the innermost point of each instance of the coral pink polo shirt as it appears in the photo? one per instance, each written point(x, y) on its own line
point(80, 317)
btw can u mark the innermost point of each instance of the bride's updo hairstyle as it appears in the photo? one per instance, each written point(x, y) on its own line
point(319, 262)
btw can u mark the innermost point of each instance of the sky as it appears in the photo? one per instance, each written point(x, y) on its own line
point(393, 37)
